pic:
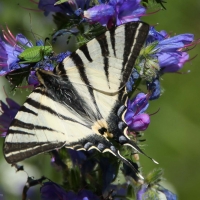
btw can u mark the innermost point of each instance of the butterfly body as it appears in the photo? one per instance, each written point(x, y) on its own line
point(80, 104)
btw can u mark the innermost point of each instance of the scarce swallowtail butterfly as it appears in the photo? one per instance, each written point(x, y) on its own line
point(80, 104)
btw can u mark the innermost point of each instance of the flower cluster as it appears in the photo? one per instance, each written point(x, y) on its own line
point(18, 52)
point(8, 113)
point(115, 10)
point(10, 50)
point(52, 191)
point(90, 177)
point(161, 54)
point(135, 117)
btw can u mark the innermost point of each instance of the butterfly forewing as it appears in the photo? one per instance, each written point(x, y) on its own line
point(107, 60)
point(101, 68)
point(77, 105)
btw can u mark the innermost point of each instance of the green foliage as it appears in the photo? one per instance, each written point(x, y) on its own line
point(22, 75)
point(154, 177)
point(130, 193)
point(60, 1)
point(88, 31)
point(151, 194)
point(161, 2)
point(147, 3)
point(74, 25)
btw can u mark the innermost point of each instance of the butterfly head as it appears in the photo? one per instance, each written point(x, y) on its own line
point(44, 76)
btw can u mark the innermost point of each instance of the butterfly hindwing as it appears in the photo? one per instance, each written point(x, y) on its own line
point(39, 128)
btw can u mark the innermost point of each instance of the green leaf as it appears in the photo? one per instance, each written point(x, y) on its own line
point(17, 77)
point(154, 177)
point(151, 3)
point(150, 194)
point(130, 193)
point(60, 1)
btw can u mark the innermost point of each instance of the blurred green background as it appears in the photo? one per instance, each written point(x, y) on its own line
point(173, 137)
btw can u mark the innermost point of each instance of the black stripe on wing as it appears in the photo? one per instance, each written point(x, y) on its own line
point(60, 89)
point(29, 126)
point(59, 69)
point(133, 45)
point(27, 110)
point(38, 106)
point(102, 40)
point(41, 107)
point(112, 39)
point(84, 49)
point(130, 31)
point(19, 132)
point(15, 152)
point(135, 36)
point(81, 69)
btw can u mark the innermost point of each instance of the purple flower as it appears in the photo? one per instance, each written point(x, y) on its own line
point(70, 7)
point(32, 79)
point(8, 113)
point(155, 36)
point(122, 11)
point(172, 61)
point(131, 81)
point(48, 6)
point(127, 10)
point(100, 13)
point(9, 51)
point(144, 193)
point(175, 43)
point(40, 43)
point(56, 161)
point(77, 157)
point(154, 88)
point(83, 159)
point(61, 56)
point(169, 195)
point(135, 117)
point(170, 50)
point(52, 191)
point(142, 190)
point(108, 171)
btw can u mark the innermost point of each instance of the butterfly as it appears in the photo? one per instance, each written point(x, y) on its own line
point(82, 102)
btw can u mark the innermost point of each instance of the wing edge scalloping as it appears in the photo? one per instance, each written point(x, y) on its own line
point(103, 147)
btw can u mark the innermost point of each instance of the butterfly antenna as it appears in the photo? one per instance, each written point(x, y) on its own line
point(126, 141)
point(46, 41)
point(31, 30)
